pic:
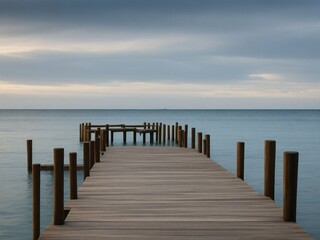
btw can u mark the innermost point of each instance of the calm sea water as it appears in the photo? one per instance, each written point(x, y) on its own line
point(297, 130)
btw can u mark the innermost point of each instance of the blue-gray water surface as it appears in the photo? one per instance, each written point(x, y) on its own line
point(294, 130)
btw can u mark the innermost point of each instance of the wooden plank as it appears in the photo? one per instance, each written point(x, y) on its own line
point(168, 193)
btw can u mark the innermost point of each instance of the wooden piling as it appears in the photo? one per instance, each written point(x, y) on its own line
point(89, 132)
point(164, 133)
point(199, 142)
point(204, 146)
point(177, 132)
point(29, 155)
point(103, 140)
point(80, 132)
point(290, 181)
point(134, 137)
point(240, 160)
point(107, 135)
point(58, 216)
point(168, 133)
point(193, 138)
point(186, 136)
point(207, 137)
point(97, 152)
point(181, 137)
point(36, 201)
point(92, 154)
point(86, 159)
point(160, 133)
point(269, 167)
point(157, 132)
point(172, 133)
point(73, 175)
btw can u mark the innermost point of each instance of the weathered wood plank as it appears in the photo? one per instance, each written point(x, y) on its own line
point(169, 193)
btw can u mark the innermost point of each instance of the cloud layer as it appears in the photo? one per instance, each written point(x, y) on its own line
point(222, 49)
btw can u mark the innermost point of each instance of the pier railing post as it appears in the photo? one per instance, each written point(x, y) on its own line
point(29, 155)
point(199, 142)
point(290, 182)
point(80, 132)
point(164, 133)
point(269, 168)
point(181, 137)
point(168, 135)
point(204, 146)
point(193, 138)
point(172, 133)
point(73, 175)
point(86, 159)
point(107, 135)
point(240, 160)
point(36, 201)
point(177, 132)
point(207, 137)
point(186, 136)
point(58, 156)
point(160, 133)
point(92, 153)
point(97, 152)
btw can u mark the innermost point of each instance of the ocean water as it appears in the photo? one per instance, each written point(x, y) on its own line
point(294, 130)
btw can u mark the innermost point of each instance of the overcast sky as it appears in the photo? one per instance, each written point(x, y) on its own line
point(159, 54)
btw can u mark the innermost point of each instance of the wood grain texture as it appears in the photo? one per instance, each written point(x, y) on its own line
point(168, 193)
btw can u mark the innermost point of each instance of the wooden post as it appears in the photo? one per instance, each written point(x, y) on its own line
point(290, 182)
point(103, 140)
point(36, 201)
point(111, 136)
point(97, 152)
point(157, 132)
point(86, 159)
point(89, 132)
point(199, 142)
point(208, 145)
point(181, 137)
point(151, 137)
point(92, 154)
point(177, 132)
point(204, 146)
point(29, 155)
point(107, 135)
point(172, 133)
point(164, 133)
point(144, 134)
point(168, 133)
point(124, 136)
point(148, 125)
point(58, 156)
point(269, 168)
point(240, 160)
point(73, 175)
point(160, 133)
point(134, 137)
point(85, 132)
point(80, 133)
point(193, 138)
point(186, 136)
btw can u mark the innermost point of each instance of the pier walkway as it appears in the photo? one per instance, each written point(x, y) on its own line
point(168, 193)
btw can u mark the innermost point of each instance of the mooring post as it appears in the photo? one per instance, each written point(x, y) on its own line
point(29, 155)
point(186, 135)
point(157, 132)
point(207, 137)
point(204, 146)
point(36, 201)
point(73, 175)
point(177, 132)
point(97, 152)
point(240, 160)
point(290, 182)
point(199, 142)
point(58, 156)
point(107, 135)
point(86, 159)
point(92, 154)
point(172, 133)
point(269, 167)
point(193, 138)
point(181, 137)
point(164, 133)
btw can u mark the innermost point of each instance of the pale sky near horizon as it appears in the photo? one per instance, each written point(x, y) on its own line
point(160, 54)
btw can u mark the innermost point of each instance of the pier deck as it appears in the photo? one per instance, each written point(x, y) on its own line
point(168, 193)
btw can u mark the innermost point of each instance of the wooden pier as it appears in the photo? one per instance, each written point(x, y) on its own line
point(147, 192)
